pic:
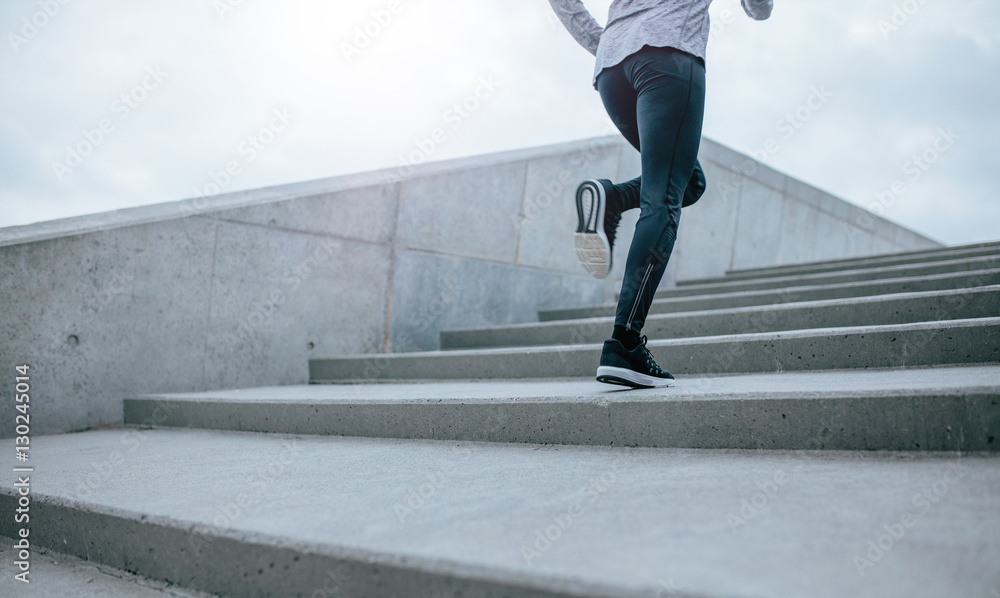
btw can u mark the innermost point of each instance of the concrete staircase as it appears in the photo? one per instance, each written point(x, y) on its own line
point(835, 431)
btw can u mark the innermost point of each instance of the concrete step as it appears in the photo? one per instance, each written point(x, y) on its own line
point(244, 514)
point(695, 287)
point(913, 284)
point(901, 308)
point(912, 257)
point(920, 409)
point(929, 343)
point(55, 573)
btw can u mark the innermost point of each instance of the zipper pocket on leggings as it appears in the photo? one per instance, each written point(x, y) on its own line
point(635, 302)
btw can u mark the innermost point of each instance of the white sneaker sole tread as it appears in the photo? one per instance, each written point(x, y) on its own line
point(592, 247)
point(626, 377)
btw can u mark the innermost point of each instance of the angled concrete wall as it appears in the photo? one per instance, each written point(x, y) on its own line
point(753, 216)
point(242, 289)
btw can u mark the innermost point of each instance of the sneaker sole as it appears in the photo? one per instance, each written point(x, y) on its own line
point(592, 247)
point(626, 377)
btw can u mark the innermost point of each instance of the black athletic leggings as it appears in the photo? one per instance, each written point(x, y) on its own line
point(656, 98)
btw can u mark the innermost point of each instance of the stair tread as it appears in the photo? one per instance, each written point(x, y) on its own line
point(719, 338)
point(640, 520)
point(958, 250)
point(59, 574)
point(802, 287)
point(962, 341)
point(863, 288)
point(809, 385)
point(956, 265)
point(777, 307)
point(921, 409)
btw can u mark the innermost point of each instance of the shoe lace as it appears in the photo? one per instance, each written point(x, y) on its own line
point(648, 357)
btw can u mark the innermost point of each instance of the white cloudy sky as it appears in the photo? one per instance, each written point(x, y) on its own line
point(224, 73)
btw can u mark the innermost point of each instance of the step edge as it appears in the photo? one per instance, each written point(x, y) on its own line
point(749, 396)
point(985, 246)
point(405, 562)
point(693, 282)
point(749, 336)
point(789, 306)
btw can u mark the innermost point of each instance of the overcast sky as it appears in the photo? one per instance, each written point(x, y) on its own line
point(887, 103)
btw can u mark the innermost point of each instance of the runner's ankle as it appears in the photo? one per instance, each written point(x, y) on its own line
point(628, 338)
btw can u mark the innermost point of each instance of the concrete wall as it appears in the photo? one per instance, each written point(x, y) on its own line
point(242, 289)
point(753, 216)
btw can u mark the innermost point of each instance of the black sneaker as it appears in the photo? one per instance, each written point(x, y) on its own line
point(598, 223)
point(634, 368)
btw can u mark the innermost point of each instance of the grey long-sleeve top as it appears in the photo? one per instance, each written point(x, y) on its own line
point(632, 24)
